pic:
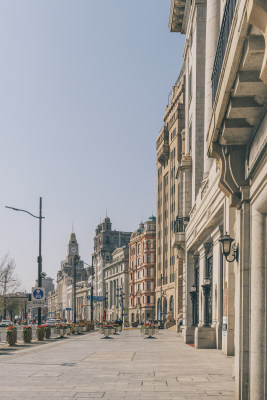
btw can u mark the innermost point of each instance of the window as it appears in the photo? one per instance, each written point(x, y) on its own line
point(149, 272)
point(148, 245)
point(148, 299)
point(138, 261)
point(148, 285)
point(138, 248)
point(148, 258)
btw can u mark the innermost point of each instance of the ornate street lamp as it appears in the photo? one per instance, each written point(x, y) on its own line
point(227, 247)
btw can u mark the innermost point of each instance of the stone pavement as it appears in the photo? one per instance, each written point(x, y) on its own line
point(128, 366)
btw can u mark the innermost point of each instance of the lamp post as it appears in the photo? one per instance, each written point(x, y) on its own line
point(75, 262)
point(39, 258)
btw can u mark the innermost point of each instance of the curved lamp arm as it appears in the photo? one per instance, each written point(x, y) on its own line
point(18, 209)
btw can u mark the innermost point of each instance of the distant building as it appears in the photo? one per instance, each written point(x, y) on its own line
point(105, 242)
point(116, 285)
point(142, 262)
point(172, 212)
point(64, 307)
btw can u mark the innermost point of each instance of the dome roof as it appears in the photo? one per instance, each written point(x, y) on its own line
point(152, 218)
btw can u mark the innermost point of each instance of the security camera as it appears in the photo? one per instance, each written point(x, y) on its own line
point(43, 274)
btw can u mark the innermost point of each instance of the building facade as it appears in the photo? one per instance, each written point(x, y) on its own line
point(170, 144)
point(142, 274)
point(116, 286)
point(106, 241)
point(65, 281)
point(224, 303)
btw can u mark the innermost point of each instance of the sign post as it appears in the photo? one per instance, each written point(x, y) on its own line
point(38, 297)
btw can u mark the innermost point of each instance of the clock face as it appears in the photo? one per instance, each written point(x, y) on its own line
point(73, 249)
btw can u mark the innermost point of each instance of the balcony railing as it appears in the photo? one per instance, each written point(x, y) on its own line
point(222, 43)
point(180, 224)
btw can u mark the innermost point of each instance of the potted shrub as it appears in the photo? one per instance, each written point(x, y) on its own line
point(68, 329)
point(47, 331)
point(60, 330)
point(11, 335)
point(27, 334)
point(40, 332)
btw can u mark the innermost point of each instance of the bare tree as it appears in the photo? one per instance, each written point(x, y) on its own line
point(9, 282)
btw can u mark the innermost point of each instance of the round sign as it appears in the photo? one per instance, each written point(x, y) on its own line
point(38, 294)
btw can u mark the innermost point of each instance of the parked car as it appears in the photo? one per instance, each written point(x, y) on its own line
point(6, 322)
point(51, 322)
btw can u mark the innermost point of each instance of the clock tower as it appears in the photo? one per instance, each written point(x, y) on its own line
point(73, 249)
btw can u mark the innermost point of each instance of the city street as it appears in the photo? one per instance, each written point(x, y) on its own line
point(126, 366)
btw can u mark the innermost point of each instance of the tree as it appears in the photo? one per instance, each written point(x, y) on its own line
point(9, 282)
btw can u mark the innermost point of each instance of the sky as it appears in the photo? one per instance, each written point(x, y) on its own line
point(83, 89)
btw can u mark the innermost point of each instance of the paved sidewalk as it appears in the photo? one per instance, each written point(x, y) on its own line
point(128, 366)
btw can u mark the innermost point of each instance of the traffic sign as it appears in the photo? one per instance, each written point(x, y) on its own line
point(68, 308)
point(95, 298)
point(38, 297)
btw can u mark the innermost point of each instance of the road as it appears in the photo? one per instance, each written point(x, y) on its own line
point(128, 366)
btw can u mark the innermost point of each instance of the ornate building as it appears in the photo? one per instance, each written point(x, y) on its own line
point(224, 303)
point(105, 242)
point(170, 209)
point(64, 289)
point(116, 285)
point(142, 262)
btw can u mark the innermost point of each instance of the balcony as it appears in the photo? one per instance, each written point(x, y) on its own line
point(178, 242)
point(222, 42)
point(178, 12)
point(163, 149)
point(239, 84)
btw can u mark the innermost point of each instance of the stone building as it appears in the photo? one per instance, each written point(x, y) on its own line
point(224, 303)
point(142, 274)
point(116, 286)
point(65, 276)
point(170, 156)
point(105, 242)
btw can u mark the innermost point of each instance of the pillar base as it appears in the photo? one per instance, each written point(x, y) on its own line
point(189, 334)
point(205, 338)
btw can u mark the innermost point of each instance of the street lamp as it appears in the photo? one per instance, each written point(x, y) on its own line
point(226, 242)
point(39, 258)
point(75, 262)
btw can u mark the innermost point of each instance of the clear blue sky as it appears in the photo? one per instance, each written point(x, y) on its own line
point(84, 85)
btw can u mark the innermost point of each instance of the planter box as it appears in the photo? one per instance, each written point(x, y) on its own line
point(11, 337)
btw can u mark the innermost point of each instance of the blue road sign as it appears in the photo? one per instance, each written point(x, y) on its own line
point(38, 294)
point(95, 298)
point(68, 308)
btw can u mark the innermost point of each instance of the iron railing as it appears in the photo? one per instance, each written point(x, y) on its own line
point(180, 224)
point(222, 43)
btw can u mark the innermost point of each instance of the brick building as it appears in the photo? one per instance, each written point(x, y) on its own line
point(142, 261)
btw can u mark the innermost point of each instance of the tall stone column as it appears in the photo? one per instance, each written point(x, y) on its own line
point(212, 33)
point(217, 285)
point(258, 306)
